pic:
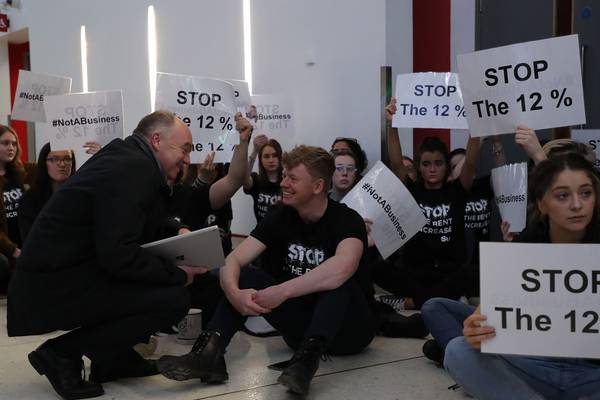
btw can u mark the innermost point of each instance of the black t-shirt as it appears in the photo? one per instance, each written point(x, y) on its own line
point(222, 218)
point(478, 211)
point(441, 242)
point(265, 196)
point(12, 196)
point(295, 247)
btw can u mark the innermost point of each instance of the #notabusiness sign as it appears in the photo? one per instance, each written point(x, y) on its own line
point(31, 90)
point(207, 106)
point(542, 299)
point(77, 118)
point(537, 84)
point(381, 197)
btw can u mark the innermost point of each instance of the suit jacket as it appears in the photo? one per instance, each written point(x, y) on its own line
point(88, 237)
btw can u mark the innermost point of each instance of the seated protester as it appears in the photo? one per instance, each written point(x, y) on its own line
point(345, 175)
point(12, 184)
point(440, 313)
point(313, 286)
point(53, 169)
point(264, 186)
point(561, 188)
point(352, 145)
point(433, 261)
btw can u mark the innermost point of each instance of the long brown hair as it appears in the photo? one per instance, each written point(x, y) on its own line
point(14, 169)
point(544, 175)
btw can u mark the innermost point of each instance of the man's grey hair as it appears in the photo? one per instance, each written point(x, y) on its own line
point(159, 121)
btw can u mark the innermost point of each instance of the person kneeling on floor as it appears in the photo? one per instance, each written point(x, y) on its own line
point(313, 285)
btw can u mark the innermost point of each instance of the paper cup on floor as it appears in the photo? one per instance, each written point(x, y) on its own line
point(510, 191)
point(190, 327)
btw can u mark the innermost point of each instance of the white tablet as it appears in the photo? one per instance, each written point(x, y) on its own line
point(198, 248)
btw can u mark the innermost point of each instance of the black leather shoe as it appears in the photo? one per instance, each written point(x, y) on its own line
point(433, 351)
point(128, 364)
point(205, 361)
point(64, 374)
point(303, 366)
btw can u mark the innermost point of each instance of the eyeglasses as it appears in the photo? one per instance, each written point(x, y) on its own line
point(345, 168)
point(7, 142)
point(57, 160)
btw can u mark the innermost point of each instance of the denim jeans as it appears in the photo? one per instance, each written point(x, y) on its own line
point(444, 318)
point(499, 377)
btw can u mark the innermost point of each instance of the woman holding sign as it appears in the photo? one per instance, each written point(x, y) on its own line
point(433, 260)
point(565, 208)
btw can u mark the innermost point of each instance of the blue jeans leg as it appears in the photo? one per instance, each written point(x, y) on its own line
point(444, 318)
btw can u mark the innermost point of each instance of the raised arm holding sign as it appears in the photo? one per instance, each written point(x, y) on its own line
point(539, 301)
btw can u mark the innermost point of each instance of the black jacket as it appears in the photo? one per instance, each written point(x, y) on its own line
point(88, 237)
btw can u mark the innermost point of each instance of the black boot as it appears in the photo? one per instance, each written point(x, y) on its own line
point(433, 351)
point(64, 373)
point(205, 361)
point(397, 325)
point(128, 364)
point(303, 366)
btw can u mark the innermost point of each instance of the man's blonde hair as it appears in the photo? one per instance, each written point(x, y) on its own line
point(318, 162)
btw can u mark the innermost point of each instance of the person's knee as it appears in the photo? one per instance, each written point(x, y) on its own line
point(458, 352)
point(254, 278)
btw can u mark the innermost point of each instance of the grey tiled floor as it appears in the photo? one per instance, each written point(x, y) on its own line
point(389, 369)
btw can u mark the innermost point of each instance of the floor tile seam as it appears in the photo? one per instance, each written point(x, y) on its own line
point(316, 376)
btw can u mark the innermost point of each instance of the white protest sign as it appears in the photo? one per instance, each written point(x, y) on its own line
point(381, 197)
point(542, 299)
point(537, 84)
point(591, 137)
point(429, 100)
point(510, 191)
point(74, 119)
point(275, 118)
point(241, 95)
point(31, 89)
point(207, 106)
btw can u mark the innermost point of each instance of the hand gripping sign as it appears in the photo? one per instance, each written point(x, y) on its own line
point(207, 107)
point(510, 191)
point(429, 100)
point(74, 119)
point(537, 84)
point(31, 89)
point(542, 299)
point(381, 197)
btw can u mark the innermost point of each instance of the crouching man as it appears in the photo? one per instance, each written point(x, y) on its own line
point(313, 285)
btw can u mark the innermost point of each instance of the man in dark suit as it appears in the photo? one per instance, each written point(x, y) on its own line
point(82, 268)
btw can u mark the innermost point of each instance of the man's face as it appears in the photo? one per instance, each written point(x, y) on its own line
point(172, 149)
point(298, 186)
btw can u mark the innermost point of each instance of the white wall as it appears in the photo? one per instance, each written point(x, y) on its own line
point(337, 96)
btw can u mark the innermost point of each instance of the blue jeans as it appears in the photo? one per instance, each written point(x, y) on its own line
point(491, 376)
point(444, 318)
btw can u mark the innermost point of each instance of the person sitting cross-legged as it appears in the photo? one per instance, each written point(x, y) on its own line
point(313, 285)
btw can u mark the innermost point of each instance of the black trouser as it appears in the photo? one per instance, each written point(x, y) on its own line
point(422, 283)
point(117, 315)
point(206, 293)
point(341, 316)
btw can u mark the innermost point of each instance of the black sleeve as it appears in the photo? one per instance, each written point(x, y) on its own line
point(119, 232)
point(351, 225)
point(28, 212)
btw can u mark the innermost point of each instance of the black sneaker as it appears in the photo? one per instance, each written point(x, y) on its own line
point(204, 362)
point(433, 351)
point(398, 325)
point(303, 366)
